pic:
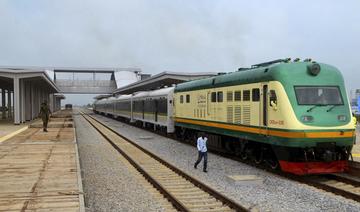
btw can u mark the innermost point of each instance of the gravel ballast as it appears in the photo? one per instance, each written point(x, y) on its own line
point(108, 184)
point(275, 193)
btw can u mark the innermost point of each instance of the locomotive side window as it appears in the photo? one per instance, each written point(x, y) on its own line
point(213, 97)
point(181, 99)
point(187, 98)
point(229, 96)
point(246, 95)
point(220, 96)
point(237, 96)
point(273, 97)
point(255, 94)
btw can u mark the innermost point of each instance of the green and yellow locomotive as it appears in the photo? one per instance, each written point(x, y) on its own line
point(292, 114)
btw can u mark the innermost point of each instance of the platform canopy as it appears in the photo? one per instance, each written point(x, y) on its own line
point(23, 89)
point(161, 80)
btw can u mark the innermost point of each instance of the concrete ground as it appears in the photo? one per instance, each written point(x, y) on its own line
point(40, 171)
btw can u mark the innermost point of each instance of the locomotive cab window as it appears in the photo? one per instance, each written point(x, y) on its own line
point(181, 99)
point(272, 97)
point(237, 95)
point(220, 96)
point(318, 95)
point(229, 96)
point(187, 98)
point(246, 95)
point(213, 97)
point(255, 94)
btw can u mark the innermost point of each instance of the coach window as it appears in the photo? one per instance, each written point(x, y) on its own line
point(229, 96)
point(237, 96)
point(187, 98)
point(181, 99)
point(246, 95)
point(255, 94)
point(213, 97)
point(220, 96)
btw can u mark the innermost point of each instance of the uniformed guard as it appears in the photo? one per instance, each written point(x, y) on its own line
point(45, 115)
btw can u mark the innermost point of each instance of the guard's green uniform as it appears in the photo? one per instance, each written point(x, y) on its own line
point(45, 115)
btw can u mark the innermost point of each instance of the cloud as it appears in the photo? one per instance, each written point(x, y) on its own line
point(178, 35)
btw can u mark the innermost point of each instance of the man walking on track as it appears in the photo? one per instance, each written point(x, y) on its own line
point(201, 146)
point(45, 115)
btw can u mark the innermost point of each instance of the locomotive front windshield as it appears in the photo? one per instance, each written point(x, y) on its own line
point(318, 95)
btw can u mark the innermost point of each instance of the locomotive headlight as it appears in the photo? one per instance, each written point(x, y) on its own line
point(307, 118)
point(314, 69)
point(341, 117)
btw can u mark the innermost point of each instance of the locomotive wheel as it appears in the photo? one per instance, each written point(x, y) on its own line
point(273, 163)
point(244, 155)
point(258, 157)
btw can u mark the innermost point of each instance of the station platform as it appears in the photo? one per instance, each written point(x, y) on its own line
point(8, 129)
point(39, 171)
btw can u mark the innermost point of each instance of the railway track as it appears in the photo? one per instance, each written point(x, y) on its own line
point(346, 185)
point(335, 183)
point(183, 191)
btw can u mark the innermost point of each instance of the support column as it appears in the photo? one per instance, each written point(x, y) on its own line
point(27, 101)
point(9, 104)
point(3, 104)
point(32, 100)
point(16, 100)
point(51, 102)
point(22, 100)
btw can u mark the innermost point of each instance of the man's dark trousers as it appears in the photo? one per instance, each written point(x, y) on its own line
point(202, 155)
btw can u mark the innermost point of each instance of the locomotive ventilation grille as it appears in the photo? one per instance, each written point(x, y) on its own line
point(230, 114)
point(246, 114)
point(237, 115)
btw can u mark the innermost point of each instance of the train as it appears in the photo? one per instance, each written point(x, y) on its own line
point(68, 106)
point(290, 115)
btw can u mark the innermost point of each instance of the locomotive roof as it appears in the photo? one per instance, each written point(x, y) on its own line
point(291, 71)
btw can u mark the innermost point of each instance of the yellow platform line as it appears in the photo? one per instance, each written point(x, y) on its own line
point(357, 155)
point(13, 134)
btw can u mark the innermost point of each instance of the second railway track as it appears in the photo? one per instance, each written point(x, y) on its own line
point(183, 191)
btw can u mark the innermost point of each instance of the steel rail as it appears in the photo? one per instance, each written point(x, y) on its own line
point(177, 204)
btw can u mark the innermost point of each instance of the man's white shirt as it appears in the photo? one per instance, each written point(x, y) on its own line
point(201, 144)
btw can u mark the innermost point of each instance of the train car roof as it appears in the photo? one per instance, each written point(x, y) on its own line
point(285, 71)
point(141, 94)
point(161, 92)
point(123, 97)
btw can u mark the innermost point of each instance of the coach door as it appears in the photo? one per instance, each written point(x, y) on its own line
point(156, 110)
point(212, 104)
point(143, 109)
point(264, 106)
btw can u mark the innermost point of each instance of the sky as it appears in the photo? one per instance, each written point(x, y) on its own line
point(179, 35)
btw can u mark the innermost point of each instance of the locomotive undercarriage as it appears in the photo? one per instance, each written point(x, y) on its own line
point(322, 152)
point(272, 155)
